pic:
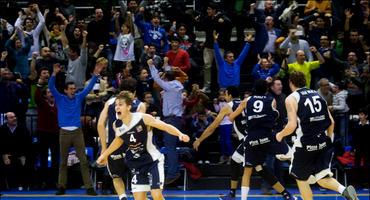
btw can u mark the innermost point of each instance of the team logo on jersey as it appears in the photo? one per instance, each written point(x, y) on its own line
point(139, 128)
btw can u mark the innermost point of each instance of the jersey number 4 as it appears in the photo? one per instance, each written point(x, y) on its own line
point(132, 138)
point(314, 105)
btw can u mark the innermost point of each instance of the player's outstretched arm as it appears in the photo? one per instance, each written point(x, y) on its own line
point(226, 110)
point(103, 158)
point(101, 127)
point(238, 110)
point(330, 130)
point(291, 107)
point(156, 123)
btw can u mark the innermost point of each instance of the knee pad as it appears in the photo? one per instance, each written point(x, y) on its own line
point(266, 174)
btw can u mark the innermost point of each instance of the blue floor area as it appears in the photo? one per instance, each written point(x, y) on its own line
point(170, 195)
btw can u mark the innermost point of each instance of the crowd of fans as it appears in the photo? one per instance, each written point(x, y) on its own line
point(149, 41)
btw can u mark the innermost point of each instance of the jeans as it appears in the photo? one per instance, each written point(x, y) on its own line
point(170, 142)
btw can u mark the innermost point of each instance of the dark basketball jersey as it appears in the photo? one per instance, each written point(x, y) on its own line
point(112, 117)
point(261, 116)
point(240, 122)
point(313, 116)
point(141, 148)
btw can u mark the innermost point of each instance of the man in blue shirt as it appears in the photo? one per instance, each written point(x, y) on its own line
point(229, 68)
point(69, 112)
point(172, 113)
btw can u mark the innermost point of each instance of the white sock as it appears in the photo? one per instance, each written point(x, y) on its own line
point(341, 188)
point(245, 191)
point(122, 195)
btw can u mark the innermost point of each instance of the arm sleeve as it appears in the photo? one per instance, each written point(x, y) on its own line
point(314, 65)
point(275, 68)
point(52, 88)
point(40, 25)
point(285, 43)
point(255, 71)
point(163, 84)
point(243, 54)
point(218, 57)
point(89, 87)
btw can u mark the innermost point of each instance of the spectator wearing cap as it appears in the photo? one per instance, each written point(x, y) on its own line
point(178, 57)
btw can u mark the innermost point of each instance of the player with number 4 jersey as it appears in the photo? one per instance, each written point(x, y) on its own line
point(142, 156)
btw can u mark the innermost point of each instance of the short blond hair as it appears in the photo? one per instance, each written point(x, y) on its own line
point(102, 60)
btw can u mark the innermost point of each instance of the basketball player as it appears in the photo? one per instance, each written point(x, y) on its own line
point(142, 156)
point(313, 148)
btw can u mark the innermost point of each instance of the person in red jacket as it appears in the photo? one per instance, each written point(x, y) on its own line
point(177, 56)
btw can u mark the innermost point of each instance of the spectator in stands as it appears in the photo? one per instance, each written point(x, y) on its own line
point(340, 109)
point(229, 67)
point(270, 9)
point(4, 60)
point(295, 44)
point(200, 122)
point(237, 11)
point(14, 95)
point(19, 52)
point(16, 156)
point(213, 21)
point(150, 52)
point(130, 9)
point(317, 6)
point(69, 112)
point(125, 40)
point(152, 32)
point(361, 147)
point(178, 57)
point(324, 91)
point(151, 108)
point(353, 41)
point(172, 113)
point(98, 29)
point(77, 62)
point(47, 131)
point(124, 73)
point(29, 29)
point(305, 66)
point(144, 84)
point(265, 69)
point(317, 28)
point(67, 8)
point(185, 41)
point(6, 31)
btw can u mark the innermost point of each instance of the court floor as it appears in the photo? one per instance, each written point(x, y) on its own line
point(169, 195)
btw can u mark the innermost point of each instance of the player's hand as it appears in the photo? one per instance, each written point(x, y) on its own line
point(102, 160)
point(184, 138)
point(196, 144)
point(279, 137)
